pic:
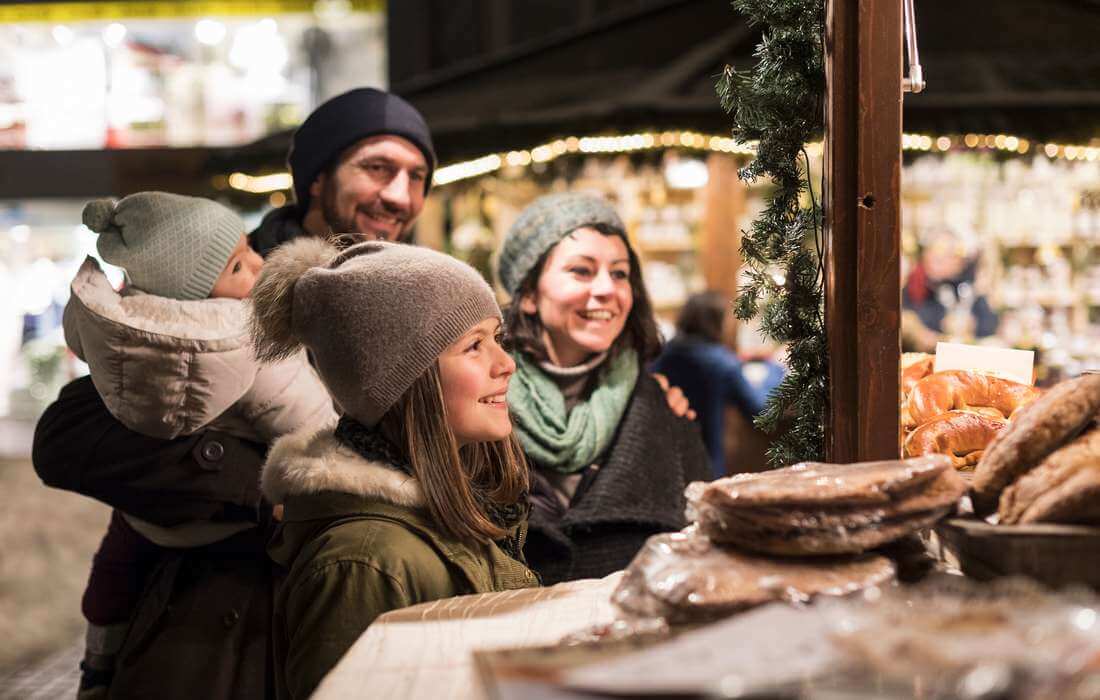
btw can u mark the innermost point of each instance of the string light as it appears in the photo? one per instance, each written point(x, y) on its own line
point(689, 140)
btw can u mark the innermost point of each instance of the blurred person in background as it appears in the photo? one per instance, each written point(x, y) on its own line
point(710, 373)
point(940, 300)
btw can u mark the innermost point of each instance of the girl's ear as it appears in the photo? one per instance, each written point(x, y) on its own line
point(527, 304)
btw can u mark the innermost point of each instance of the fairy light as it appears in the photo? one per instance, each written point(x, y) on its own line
point(688, 140)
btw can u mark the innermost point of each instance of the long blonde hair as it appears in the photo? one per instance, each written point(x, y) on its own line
point(455, 480)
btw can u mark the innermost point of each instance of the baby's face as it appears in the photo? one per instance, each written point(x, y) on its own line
point(240, 273)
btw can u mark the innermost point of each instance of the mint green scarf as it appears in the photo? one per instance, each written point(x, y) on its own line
point(569, 441)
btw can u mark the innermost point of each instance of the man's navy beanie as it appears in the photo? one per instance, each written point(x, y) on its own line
point(345, 119)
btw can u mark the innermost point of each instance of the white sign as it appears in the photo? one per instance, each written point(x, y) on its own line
point(1001, 362)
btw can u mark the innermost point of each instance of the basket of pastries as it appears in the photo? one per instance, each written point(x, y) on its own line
point(1036, 489)
point(957, 413)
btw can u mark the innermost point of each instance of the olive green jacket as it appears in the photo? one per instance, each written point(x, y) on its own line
point(356, 541)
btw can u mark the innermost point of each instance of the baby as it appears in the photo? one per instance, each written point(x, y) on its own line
point(170, 355)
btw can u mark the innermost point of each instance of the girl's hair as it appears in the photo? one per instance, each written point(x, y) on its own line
point(703, 316)
point(458, 482)
point(525, 331)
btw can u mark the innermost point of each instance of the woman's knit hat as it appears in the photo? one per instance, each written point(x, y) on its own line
point(170, 245)
point(375, 316)
point(542, 224)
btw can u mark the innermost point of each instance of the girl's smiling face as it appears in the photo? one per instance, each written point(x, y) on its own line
point(583, 296)
point(474, 373)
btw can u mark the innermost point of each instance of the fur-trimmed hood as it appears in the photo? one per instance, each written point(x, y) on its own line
point(314, 461)
point(166, 367)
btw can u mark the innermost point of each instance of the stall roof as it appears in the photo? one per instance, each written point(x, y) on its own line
point(493, 75)
point(1026, 67)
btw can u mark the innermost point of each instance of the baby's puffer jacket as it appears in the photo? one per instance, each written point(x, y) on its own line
point(167, 368)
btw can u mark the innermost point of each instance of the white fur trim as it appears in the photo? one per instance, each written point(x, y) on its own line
point(312, 461)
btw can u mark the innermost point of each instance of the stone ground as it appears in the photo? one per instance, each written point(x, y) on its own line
point(47, 538)
point(56, 676)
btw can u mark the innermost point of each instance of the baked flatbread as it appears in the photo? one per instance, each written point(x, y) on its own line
point(1034, 432)
point(817, 484)
point(682, 577)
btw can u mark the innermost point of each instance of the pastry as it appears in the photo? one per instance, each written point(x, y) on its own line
point(682, 577)
point(957, 434)
point(1036, 431)
point(1063, 488)
point(943, 391)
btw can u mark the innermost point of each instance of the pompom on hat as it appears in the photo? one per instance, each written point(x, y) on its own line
point(375, 316)
point(542, 225)
point(170, 245)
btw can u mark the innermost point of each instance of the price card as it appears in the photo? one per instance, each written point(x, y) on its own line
point(1016, 365)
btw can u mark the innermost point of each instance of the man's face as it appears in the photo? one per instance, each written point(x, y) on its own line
point(376, 190)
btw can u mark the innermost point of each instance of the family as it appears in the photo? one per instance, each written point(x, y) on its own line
point(306, 426)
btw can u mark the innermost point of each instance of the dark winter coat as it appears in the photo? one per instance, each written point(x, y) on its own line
point(357, 541)
point(277, 227)
point(202, 627)
point(638, 491)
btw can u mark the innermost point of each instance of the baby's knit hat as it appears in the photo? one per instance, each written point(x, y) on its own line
point(375, 316)
point(542, 224)
point(170, 245)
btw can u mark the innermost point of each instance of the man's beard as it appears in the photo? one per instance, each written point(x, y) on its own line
point(344, 231)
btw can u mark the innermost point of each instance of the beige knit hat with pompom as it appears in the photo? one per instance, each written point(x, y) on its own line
point(375, 316)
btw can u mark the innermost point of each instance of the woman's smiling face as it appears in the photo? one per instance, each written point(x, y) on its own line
point(583, 296)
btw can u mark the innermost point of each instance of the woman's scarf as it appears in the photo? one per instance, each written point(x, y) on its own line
point(371, 444)
point(569, 441)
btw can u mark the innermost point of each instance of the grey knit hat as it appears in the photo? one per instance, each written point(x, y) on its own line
point(375, 316)
point(542, 224)
point(170, 245)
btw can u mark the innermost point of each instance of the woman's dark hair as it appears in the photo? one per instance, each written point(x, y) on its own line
point(703, 316)
point(524, 331)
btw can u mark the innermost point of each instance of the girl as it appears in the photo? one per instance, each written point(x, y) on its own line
point(419, 492)
point(610, 460)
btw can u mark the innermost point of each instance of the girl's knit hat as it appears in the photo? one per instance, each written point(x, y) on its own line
point(542, 224)
point(170, 245)
point(375, 316)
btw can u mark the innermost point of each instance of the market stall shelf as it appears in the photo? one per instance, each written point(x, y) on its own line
point(1056, 555)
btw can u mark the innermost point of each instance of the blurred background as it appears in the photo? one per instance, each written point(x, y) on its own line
point(1000, 186)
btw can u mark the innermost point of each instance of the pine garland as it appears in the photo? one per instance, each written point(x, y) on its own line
point(779, 103)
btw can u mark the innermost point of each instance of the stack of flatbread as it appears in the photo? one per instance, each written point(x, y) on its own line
point(789, 534)
point(814, 509)
point(683, 577)
point(1045, 466)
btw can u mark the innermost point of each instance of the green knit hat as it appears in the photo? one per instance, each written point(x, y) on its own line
point(542, 224)
point(170, 245)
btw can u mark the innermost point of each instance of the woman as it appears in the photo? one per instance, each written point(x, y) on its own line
point(419, 493)
point(609, 459)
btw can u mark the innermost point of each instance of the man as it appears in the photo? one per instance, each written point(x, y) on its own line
point(362, 164)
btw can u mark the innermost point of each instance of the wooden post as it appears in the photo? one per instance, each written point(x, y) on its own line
point(863, 67)
point(723, 212)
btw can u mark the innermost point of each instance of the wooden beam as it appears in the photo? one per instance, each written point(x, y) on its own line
point(862, 227)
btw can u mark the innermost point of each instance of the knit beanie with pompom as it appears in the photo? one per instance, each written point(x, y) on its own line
point(375, 316)
point(170, 245)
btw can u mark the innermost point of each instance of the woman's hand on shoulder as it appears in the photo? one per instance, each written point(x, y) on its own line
point(677, 402)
